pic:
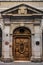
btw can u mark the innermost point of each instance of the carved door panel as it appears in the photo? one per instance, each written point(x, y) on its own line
point(22, 48)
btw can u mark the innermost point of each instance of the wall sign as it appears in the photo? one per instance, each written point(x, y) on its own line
point(6, 43)
point(37, 42)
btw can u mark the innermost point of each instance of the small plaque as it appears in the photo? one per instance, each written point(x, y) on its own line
point(37, 42)
point(6, 43)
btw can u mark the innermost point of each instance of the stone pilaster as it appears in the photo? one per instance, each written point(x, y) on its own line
point(42, 36)
point(36, 45)
point(6, 43)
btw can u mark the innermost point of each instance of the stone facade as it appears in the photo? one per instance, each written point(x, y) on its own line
point(23, 0)
point(9, 21)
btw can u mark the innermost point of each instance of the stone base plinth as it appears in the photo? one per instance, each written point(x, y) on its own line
point(6, 60)
point(42, 58)
point(36, 59)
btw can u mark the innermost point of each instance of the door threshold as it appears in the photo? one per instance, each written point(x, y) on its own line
point(22, 61)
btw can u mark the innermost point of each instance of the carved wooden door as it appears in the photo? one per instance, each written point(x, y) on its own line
point(22, 48)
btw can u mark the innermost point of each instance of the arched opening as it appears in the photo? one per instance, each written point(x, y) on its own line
point(0, 42)
point(21, 44)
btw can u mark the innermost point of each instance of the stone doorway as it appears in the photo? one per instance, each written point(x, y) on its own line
point(21, 44)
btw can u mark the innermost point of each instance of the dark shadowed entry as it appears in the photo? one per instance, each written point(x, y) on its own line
point(0, 42)
point(21, 44)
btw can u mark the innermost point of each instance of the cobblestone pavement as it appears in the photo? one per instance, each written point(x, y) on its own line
point(22, 63)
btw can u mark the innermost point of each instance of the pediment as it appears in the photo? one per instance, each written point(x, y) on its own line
point(21, 9)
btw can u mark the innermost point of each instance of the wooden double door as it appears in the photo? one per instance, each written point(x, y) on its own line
point(21, 48)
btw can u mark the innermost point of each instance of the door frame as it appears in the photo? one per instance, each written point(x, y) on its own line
point(16, 35)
